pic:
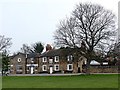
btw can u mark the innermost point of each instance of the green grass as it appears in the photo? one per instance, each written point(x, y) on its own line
point(81, 81)
point(0, 82)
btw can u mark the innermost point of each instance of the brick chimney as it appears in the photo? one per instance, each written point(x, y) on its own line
point(48, 47)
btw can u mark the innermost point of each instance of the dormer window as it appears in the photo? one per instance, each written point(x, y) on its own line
point(56, 58)
point(70, 57)
point(19, 60)
point(44, 59)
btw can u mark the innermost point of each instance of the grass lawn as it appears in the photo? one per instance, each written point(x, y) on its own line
point(81, 81)
point(0, 82)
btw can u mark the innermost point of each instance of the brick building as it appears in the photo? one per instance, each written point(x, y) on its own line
point(51, 61)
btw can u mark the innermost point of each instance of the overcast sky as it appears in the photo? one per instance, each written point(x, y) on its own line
point(30, 21)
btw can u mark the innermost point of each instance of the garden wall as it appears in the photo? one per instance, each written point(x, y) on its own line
point(104, 69)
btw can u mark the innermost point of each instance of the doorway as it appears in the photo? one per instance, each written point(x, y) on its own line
point(51, 70)
point(31, 70)
point(79, 70)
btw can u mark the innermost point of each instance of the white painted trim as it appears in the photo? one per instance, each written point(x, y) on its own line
point(56, 60)
point(50, 60)
point(31, 70)
point(55, 67)
point(19, 70)
point(105, 63)
point(11, 65)
point(44, 59)
point(32, 64)
point(69, 57)
point(68, 67)
point(51, 70)
point(43, 67)
point(19, 59)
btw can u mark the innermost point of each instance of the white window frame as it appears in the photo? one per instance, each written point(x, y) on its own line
point(28, 68)
point(44, 59)
point(56, 58)
point(55, 67)
point(43, 67)
point(69, 57)
point(19, 59)
point(11, 65)
point(36, 68)
point(69, 68)
point(32, 64)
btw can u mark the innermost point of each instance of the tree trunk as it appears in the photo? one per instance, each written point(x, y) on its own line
point(88, 67)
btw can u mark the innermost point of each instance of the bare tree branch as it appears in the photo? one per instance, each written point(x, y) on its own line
point(89, 23)
point(4, 42)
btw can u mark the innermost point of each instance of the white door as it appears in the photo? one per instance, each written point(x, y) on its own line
point(31, 70)
point(51, 70)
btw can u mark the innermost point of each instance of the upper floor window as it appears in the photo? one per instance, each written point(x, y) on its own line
point(32, 60)
point(56, 58)
point(19, 59)
point(44, 59)
point(70, 57)
point(50, 60)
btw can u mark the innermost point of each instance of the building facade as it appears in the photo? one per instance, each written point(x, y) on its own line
point(50, 62)
point(17, 63)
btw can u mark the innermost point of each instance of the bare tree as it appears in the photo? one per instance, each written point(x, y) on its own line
point(4, 42)
point(26, 49)
point(66, 34)
point(89, 23)
point(116, 50)
point(34, 48)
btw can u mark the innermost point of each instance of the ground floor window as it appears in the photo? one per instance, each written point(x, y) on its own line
point(19, 67)
point(70, 67)
point(36, 68)
point(19, 72)
point(28, 68)
point(44, 68)
point(56, 67)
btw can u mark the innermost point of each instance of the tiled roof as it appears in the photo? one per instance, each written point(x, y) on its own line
point(51, 53)
point(33, 55)
point(57, 52)
point(16, 55)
